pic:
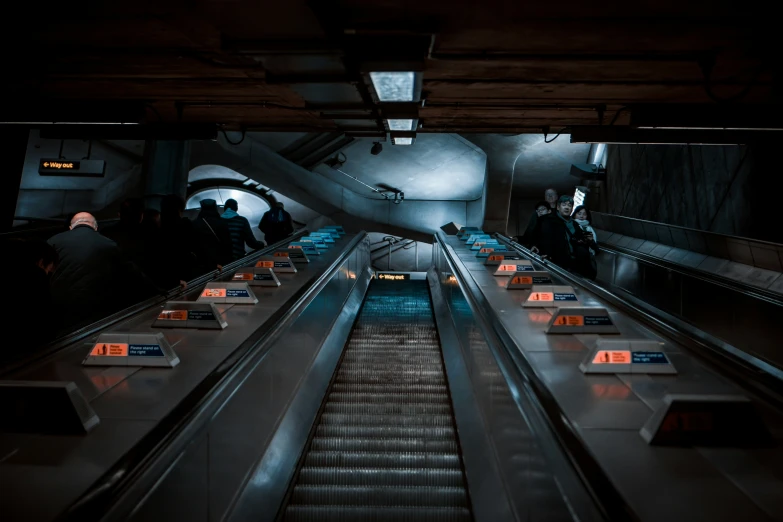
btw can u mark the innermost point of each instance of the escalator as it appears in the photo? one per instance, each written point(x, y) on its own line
point(385, 445)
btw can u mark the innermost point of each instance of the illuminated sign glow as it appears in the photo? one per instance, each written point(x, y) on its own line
point(542, 296)
point(265, 264)
point(110, 350)
point(517, 280)
point(394, 277)
point(214, 292)
point(243, 276)
point(612, 357)
point(579, 198)
point(173, 315)
point(281, 254)
point(60, 165)
point(569, 320)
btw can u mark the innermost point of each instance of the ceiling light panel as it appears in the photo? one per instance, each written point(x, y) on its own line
point(403, 141)
point(393, 86)
point(400, 125)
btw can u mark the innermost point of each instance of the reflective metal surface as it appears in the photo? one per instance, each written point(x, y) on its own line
point(138, 407)
point(742, 317)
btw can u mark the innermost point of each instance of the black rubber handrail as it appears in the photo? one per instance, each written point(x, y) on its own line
point(122, 487)
point(194, 286)
point(694, 273)
point(605, 496)
point(749, 372)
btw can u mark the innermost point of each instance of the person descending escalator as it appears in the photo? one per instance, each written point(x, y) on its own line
point(94, 279)
point(241, 232)
point(176, 245)
point(213, 238)
point(276, 224)
point(560, 239)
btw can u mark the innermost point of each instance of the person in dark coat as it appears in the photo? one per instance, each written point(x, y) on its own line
point(560, 239)
point(549, 203)
point(241, 233)
point(213, 238)
point(176, 245)
point(129, 234)
point(276, 224)
point(93, 279)
point(541, 209)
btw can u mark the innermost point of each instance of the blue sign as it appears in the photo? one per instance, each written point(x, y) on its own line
point(529, 268)
point(600, 320)
point(200, 315)
point(237, 292)
point(541, 280)
point(564, 297)
point(145, 350)
point(263, 277)
point(282, 264)
point(649, 358)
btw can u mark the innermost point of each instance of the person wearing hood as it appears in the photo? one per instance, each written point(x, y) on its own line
point(276, 224)
point(241, 233)
point(213, 238)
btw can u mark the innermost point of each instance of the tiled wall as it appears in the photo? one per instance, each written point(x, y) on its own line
point(730, 190)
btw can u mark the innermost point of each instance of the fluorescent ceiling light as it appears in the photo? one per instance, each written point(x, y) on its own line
point(400, 125)
point(403, 141)
point(778, 129)
point(393, 86)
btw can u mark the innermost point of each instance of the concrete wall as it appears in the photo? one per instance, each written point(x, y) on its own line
point(731, 190)
point(55, 196)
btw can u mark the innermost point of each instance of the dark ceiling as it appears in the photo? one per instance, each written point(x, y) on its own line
point(487, 66)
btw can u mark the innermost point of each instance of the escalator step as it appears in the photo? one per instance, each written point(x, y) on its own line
point(389, 388)
point(388, 408)
point(344, 459)
point(385, 420)
point(443, 478)
point(310, 513)
point(386, 432)
point(378, 444)
point(380, 496)
point(391, 397)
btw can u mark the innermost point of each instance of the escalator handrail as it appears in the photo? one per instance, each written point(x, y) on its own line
point(120, 489)
point(694, 273)
point(603, 493)
point(748, 370)
point(193, 286)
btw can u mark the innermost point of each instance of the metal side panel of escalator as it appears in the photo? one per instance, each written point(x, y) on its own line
point(385, 445)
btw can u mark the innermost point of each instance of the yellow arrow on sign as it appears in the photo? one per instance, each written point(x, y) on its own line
point(46, 163)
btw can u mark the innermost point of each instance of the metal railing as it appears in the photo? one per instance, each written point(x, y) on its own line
point(748, 371)
point(123, 486)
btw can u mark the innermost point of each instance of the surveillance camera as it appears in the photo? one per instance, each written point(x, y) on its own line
point(376, 148)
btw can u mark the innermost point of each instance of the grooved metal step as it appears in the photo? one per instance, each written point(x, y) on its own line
point(385, 447)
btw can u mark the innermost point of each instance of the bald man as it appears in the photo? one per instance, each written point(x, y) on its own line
point(93, 279)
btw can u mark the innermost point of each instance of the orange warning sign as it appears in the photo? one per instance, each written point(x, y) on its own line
point(508, 268)
point(486, 250)
point(295, 246)
point(242, 276)
point(265, 264)
point(173, 315)
point(612, 357)
point(281, 254)
point(522, 280)
point(496, 257)
point(109, 350)
point(542, 296)
point(214, 292)
point(569, 320)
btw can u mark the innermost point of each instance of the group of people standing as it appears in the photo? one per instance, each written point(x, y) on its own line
point(83, 274)
point(562, 234)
